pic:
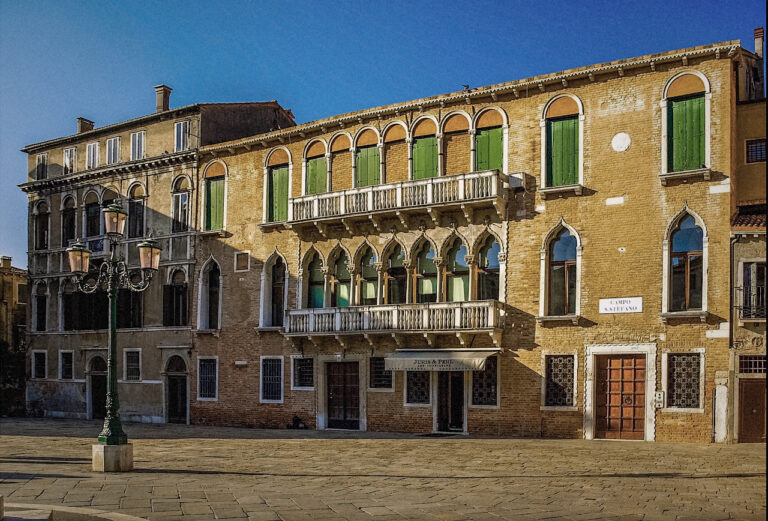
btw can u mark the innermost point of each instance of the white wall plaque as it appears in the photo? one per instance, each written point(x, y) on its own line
point(621, 142)
point(621, 305)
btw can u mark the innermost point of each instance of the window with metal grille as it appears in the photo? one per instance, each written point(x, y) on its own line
point(559, 381)
point(39, 363)
point(755, 150)
point(752, 364)
point(484, 383)
point(66, 365)
point(417, 387)
point(271, 379)
point(132, 365)
point(379, 376)
point(207, 376)
point(303, 372)
point(683, 381)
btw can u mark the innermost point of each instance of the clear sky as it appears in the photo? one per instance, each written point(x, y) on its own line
point(100, 60)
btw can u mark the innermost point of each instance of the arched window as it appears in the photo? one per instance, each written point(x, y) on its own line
point(341, 282)
point(396, 277)
point(273, 297)
point(136, 211)
point(68, 222)
point(175, 306)
point(425, 149)
point(686, 123)
point(489, 141)
point(687, 271)
point(316, 278)
point(425, 274)
point(278, 291)
point(41, 307)
point(562, 274)
point(395, 150)
point(367, 162)
point(562, 142)
point(92, 215)
point(369, 279)
point(180, 205)
point(488, 270)
point(455, 143)
point(69, 307)
point(210, 301)
point(215, 176)
point(277, 186)
point(317, 169)
point(456, 273)
point(41, 226)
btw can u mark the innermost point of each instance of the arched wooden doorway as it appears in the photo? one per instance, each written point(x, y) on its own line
point(176, 378)
point(98, 387)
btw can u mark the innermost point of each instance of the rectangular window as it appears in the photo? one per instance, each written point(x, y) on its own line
point(113, 150)
point(41, 303)
point(41, 230)
point(137, 145)
point(136, 218)
point(132, 365)
point(484, 383)
point(182, 136)
point(70, 156)
point(686, 133)
point(175, 305)
point(41, 169)
point(278, 194)
point(752, 364)
point(92, 219)
point(753, 292)
point(69, 311)
point(489, 149)
point(180, 211)
point(303, 373)
point(559, 381)
point(92, 155)
point(272, 379)
point(207, 378)
point(129, 309)
point(21, 293)
point(756, 150)
point(214, 203)
point(684, 381)
point(66, 365)
point(417, 390)
point(563, 151)
point(68, 223)
point(425, 157)
point(379, 376)
point(367, 166)
point(39, 364)
point(317, 175)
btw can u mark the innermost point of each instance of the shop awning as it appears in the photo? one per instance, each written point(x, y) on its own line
point(438, 359)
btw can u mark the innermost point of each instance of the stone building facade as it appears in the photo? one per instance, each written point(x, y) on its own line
point(544, 258)
point(13, 319)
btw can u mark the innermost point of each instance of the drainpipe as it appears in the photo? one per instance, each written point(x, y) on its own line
point(731, 331)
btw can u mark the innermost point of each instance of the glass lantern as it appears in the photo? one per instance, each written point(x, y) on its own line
point(79, 258)
point(114, 219)
point(149, 254)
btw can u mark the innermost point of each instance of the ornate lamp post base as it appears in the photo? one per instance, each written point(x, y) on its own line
point(112, 458)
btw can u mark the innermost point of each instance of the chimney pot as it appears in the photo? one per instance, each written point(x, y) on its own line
point(759, 42)
point(163, 97)
point(84, 125)
point(5, 262)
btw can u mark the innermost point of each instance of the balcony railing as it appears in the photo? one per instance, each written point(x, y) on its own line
point(463, 188)
point(750, 302)
point(448, 317)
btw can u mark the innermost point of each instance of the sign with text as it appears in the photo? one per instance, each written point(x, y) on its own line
point(621, 305)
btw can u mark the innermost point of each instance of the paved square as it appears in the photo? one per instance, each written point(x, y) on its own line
point(205, 473)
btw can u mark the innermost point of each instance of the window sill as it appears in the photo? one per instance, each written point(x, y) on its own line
point(751, 321)
point(672, 315)
point(560, 190)
point(211, 233)
point(268, 329)
point(381, 389)
point(682, 410)
point(214, 332)
point(274, 225)
point(487, 407)
point(554, 408)
point(547, 319)
point(298, 389)
point(705, 173)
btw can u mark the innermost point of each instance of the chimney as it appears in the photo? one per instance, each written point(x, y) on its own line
point(759, 42)
point(5, 262)
point(84, 125)
point(163, 93)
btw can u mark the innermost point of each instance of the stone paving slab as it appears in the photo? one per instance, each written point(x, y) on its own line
point(195, 473)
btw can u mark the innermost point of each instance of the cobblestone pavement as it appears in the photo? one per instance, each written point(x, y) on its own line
point(201, 473)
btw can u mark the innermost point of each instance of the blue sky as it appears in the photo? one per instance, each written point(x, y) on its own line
point(100, 60)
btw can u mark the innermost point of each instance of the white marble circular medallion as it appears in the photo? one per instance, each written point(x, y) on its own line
point(621, 142)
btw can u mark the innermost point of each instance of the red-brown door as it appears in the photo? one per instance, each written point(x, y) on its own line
point(620, 397)
point(751, 410)
point(343, 395)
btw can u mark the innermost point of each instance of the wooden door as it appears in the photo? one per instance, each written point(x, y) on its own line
point(177, 399)
point(343, 395)
point(450, 401)
point(751, 410)
point(620, 397)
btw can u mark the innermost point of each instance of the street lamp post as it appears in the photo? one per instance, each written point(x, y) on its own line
point(113, 453)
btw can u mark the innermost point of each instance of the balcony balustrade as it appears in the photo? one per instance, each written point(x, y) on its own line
point(749, 301)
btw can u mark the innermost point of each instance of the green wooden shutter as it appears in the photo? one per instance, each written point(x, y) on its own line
point(495, 148)
point(686, 146)
point(361, 167)
point(278, 194)
point(425, 157)
point(373, 165)
point(214, 204)
point(562, 152)
point(481, 150)
point(367, 163)
point(317, 175)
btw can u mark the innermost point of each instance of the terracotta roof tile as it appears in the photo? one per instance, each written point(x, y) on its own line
point(753, 216)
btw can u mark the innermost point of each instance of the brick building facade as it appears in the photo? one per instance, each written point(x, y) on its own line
point(544, 258)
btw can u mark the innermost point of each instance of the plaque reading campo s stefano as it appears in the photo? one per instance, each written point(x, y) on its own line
point(621, 305)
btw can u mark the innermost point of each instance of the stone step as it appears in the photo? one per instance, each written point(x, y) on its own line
point(28, 515)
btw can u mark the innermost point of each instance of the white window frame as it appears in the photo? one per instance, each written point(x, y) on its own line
point(265, 298)
point(92, 155)
point(138, 138)
point(216, 394)
point(471, 405)
point(666, 272)
point(184, 127)
point(69, 160)
point(302, 388)
point(389, 389)
point(113, 150)
point(543, 406)
point(265, 191)
point(202, 296)
point(261, 378)
point(41, 160)
point(665, 378)
point(544, 269)
point(33, 372)
point(234, 264)
point(125, 364)
point(61, 365)
point(405, 390)
point(543, 125)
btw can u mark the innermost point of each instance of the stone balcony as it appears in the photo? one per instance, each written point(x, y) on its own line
point(429, 319)
point(464, 192)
